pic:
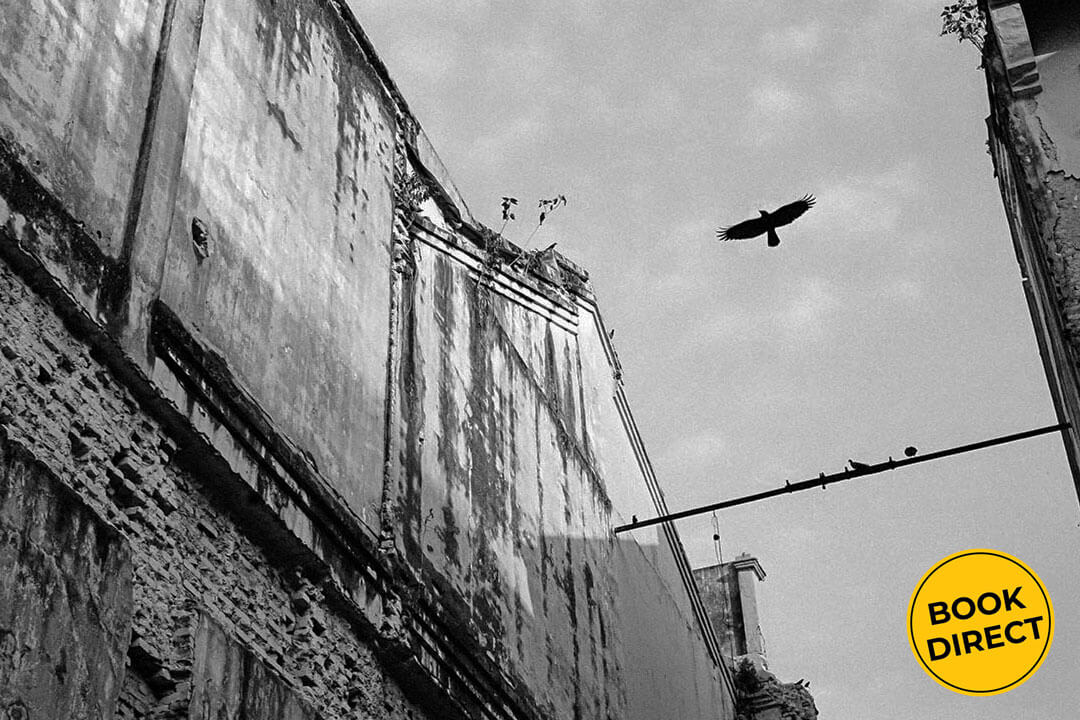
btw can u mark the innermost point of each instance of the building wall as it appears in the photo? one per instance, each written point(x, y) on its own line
point(288, 163)
point(719, 587)
point(67, 574)
point(365, 463)
point(1054, 32)
point(1031, 55)
point(728, 591)
point(75, 87)
point(191, 552)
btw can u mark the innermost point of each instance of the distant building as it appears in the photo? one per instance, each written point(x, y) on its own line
point(729, 593)
point(1031, 56)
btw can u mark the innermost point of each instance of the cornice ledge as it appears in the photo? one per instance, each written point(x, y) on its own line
point(1014, 43)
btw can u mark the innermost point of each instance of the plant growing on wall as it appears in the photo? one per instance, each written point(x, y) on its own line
point(966, 21)
point(508, 209)
point(530, 257)
point(508, 204)
point(746, 678)
point(546, 208)
point(494, 241)
point(414, 192)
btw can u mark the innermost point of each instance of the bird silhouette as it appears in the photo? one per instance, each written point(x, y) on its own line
point(911, 451)
point(856, 465)
point(767, 223)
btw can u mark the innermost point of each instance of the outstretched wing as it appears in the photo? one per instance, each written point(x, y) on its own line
point(789, 212)
point(744, 230)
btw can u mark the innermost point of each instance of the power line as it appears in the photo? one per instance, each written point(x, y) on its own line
point(861, 471)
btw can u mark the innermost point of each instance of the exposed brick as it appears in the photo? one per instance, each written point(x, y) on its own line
point(169, 522)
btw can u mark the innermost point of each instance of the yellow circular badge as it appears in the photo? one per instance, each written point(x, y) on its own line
point(980, 622)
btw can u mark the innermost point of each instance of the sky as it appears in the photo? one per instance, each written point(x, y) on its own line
point(892, 314)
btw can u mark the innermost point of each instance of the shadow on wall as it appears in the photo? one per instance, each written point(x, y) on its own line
point(503, 504)
point(1052, 25)
point(1054, 32)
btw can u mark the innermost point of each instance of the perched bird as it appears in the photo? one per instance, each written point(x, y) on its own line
point(767, 223)
point(856, 465)
point(911, 451)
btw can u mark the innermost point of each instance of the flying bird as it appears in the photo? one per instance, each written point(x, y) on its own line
point(767, 223)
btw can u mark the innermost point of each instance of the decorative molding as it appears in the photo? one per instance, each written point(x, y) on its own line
point(534, 292)
point(745, 562)
point(293, 492)
point(1014, 44)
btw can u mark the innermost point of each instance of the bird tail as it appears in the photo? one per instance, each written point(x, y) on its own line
point(774, 239)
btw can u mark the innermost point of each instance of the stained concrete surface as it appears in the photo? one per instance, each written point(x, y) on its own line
point(385, 464)
point(75, 87)
point(65, 597)
point(287, 163)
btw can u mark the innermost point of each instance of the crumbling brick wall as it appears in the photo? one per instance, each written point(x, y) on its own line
point(187, 554)
point(65, 597)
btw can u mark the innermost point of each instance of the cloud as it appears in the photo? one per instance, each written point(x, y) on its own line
point(777, 109)
point(866, 204)
point(810, 309)
point(860, 90)
point(708, 449)
point(904, 289)
point(793, 40)
point(774, 96)
point(430, 62)
point(510, 138)
point(808, 313)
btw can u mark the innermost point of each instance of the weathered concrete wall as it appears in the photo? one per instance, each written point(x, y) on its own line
point(663, 659)
point(74, 90)
point(504, 506)
point(234, 161)
point(719, 587)
point(65, 597)
point(1036, 148)
point(728, 591)
point(330, 419)
point(287, 165)
point(1054, 30)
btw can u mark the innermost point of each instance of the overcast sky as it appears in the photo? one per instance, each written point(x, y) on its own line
point(892, 314)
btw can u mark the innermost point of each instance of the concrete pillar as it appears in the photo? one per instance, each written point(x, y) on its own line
point(731, 601)
point(748, 572)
